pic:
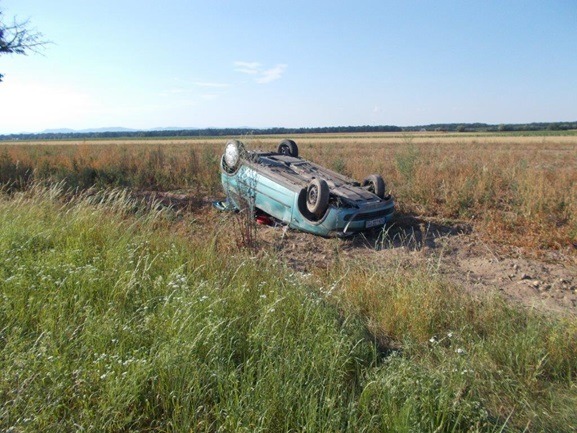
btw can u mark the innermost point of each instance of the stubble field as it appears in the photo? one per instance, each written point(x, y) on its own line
point(128, 302)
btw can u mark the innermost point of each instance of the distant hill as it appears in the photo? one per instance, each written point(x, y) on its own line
point(83, 131)
point(59, 131)
point(110, 129)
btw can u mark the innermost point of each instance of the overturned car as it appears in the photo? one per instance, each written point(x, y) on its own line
point(300, 193)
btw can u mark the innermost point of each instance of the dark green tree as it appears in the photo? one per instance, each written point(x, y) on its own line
point(18, 37)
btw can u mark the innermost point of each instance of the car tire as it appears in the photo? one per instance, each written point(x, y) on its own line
point(232, 153)
point(288, 147)
point(375, 184)
point(317, 197)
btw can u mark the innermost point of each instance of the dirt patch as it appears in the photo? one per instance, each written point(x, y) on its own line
point(453, 249)
point(548, 284)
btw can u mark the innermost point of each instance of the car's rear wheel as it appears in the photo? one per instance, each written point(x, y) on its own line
point(288, 147)
point(232, 153)
point(317, 197)
point(375, 184)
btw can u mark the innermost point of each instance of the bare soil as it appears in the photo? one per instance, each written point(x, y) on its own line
point(543, 280)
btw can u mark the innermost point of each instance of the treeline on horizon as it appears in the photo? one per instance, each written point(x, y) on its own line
point(217, 132)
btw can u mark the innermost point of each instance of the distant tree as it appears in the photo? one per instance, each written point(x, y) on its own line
point(553, 127)
point(460, 128)
point(19, 38)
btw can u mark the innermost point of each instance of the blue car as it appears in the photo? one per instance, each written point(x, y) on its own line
point(300, 193)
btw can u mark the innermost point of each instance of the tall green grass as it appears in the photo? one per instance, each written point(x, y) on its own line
point(114, 317)
point(458, 349)
point(109, 323)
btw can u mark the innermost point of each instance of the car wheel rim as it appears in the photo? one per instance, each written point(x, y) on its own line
point(313, 195)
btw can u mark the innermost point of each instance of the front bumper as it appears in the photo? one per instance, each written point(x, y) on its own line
point(347, 221)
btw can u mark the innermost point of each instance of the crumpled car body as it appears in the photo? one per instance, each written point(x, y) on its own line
point(289, 188)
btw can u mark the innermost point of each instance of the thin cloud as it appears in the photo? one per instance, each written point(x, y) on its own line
point(174, 91)
point(262, 76)
point(212, 85)
point(272, 74)
point(250, 68)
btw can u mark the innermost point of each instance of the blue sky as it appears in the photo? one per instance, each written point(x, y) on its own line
point(147, 64)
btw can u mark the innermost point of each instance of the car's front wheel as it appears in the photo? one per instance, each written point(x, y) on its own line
point(317, 197)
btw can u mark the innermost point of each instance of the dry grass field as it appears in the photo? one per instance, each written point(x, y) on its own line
point(519, 191)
